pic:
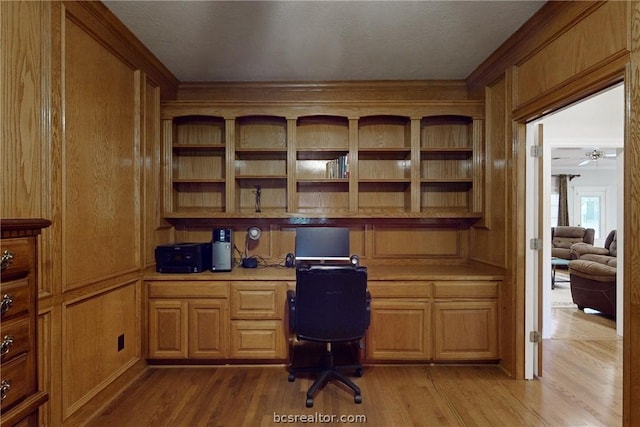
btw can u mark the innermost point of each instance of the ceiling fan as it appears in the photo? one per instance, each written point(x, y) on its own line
point(594, 156)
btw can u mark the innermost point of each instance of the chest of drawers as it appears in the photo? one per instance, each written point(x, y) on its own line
point(19, 390)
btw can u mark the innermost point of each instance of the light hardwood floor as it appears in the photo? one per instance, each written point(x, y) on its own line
point(581, 386)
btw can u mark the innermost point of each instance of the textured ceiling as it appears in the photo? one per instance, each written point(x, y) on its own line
point(322, 40)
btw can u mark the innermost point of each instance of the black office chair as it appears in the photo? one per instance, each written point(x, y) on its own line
point(331, 305)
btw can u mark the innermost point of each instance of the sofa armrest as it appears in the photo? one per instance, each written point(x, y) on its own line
point(579, 249)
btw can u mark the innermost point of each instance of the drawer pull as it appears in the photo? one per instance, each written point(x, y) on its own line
point(5, 385)
point(7, 342)
point(7, 259)
point(7, 302)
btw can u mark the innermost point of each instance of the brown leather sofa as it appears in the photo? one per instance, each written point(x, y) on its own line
point(593, 276)
point(564, 237)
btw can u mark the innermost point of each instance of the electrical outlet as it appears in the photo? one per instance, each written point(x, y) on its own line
point(121, 342)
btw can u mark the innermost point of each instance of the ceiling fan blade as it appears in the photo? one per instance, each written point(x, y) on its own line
point(584, 162)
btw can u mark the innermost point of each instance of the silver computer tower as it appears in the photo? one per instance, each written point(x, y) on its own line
point(221, 250)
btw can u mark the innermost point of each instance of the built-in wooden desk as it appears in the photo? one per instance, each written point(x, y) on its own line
point(419, 313)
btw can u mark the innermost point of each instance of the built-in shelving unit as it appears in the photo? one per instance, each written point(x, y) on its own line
point(307, 163)
point(198, 163)
point(446, 163)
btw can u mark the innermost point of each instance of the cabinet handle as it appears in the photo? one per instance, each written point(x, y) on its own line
point(7, 259)
point(5, 385)
point(7, 342)
point(7, 302)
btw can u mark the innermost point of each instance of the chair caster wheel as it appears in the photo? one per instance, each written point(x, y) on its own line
point(357, 398)
point(291, 378)
point(309, 402)
point(359, 372)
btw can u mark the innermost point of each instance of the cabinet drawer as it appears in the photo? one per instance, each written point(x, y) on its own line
point(453, 289)
point(400, 289)
point(188, 289)
point(16, 373)
point(14, 338)
point(14, 298)
point(257, 300)
point(258, 339)
point(20, 252)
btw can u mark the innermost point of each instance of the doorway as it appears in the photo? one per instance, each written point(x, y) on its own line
point(569, 136)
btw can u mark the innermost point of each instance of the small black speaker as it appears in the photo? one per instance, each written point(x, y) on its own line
point(354, 260)
point(290, 260)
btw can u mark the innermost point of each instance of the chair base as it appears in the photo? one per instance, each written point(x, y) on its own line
point(327, 376)
point(328, 371)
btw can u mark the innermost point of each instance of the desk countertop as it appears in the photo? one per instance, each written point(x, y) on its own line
point(407, 272)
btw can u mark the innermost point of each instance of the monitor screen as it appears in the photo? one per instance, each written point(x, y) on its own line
point(322, 243)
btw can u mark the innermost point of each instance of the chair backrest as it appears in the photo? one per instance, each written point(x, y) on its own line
point(331, 303)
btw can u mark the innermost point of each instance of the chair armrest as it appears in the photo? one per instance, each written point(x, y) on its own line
point(368, 308)
point(579, 249)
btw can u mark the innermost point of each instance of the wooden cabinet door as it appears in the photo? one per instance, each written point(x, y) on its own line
point(399, 330)
point(208, 329)
point(465, 330)
point(168, 329)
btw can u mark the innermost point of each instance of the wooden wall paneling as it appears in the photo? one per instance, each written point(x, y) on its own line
point(46, 351)
point(92, 358)
point(631, 359)
point(322, 92)
point(553, 18)
point(156, 229)
point(492, 228)
point(21, 104)
point(168, 193)
point(101, 157)
point(354, 188)
point(599, 36)
point(100, 21)
point(478, 166)
point(230, 147)
point(415, 164)
point(291, 166)
point(417, 243)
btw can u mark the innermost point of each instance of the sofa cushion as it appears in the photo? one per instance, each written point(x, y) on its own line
point(592, 270)
point(602, 259)
point(563, 253)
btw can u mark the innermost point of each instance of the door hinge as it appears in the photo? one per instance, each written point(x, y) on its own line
point(535, 336)
point(535, 244)
point(536, 151)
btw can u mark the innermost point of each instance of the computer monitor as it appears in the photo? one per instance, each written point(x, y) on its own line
point(320, 244)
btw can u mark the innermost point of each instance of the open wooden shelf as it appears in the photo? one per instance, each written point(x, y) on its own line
point(391, 165)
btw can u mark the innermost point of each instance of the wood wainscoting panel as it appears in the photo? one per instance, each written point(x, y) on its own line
point(100, 171)
point(100, 337)
point(596, 38)
point(417, 243)
point(21, 103)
